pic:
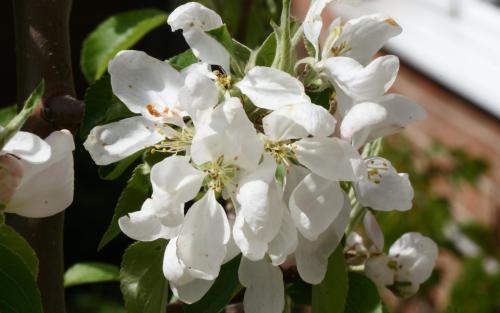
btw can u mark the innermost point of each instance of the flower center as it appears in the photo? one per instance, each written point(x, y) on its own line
point(224, 81)
point(180, 142)
point(282, 151)
point(376, 170)
point(219, 174)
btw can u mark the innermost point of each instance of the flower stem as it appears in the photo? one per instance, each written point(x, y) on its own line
point(285, 43)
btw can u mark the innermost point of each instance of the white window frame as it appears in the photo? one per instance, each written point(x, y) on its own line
point(456, 42)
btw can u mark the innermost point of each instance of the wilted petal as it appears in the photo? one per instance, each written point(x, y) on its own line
point(145, 225)
point(201, 244)
point(285, 242)
point(314, 204)
point(271, 89)
point(194, 19)
point(312, 256)
point(363, 83)
point(47, 188)
point(384, 189)
point(177, 178)
point(28, 147)
point(115, 141)
point(313, 23)
point(330, 158)
point(144, 84)
point(366, 35)
point(265, 292)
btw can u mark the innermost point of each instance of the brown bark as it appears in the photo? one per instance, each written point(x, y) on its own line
point(43, 52)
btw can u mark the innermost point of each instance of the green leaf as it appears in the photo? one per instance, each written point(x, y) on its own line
point(183, 60)
point(7, 113)
point(11, 240)
point(330, 295)
point(18, 289)
point(88, 273)
point(363, 295)
point(267, 51)
point(131, 199)
point(143, 285)
point(115, 170)
point(18, 121)
point(240, 54)
point(117, 33)
point(225, 287)
point(101, 106)
point(321, 98)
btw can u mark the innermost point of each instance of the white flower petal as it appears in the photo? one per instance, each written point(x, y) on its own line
point(293, 177)
point(177, 178)
point(174, 270)
point(285, 242)
point(145, 225)
point(47, 189)
point(313, 23)
point(377, 269)
point(314, 204)
point(271, 89)
point(265, 292)
point(330, 158)
point(360, 119)
point(194, 19)
point(227, 132)
point(144, 84)
point(363, 83)
point(115, 141)
point(28, 147)
point(193, 291)
point(366, 35)
point(198, 94)
point(384, 189)
point(373, 231)
point(201, 244)
point(251, 246)
point(312, 256)
point(298, 121)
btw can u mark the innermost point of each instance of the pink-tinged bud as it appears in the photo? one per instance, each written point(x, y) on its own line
point(11, 174)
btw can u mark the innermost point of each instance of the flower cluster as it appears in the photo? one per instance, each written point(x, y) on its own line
point(251, 165)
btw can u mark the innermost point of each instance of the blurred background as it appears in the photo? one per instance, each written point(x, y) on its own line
point(450, 53)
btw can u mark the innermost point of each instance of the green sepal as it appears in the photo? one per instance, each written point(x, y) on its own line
point(91, 273)
point(183, 60)
point(18, 121)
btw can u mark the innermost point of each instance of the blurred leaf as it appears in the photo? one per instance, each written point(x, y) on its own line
point(330, 295)
point(117, 33)
point(225, 287)
point(18, 288)
point(183, 60)
point(143, 285)
point(101, 106)
point(267, 51)
point(131, 199)
point(239, 52)
point(321, 98)
point(88, 273)
point(363, 295)
point(300, 292)
point(11, 240)
point(18, 121)
point(7, 113)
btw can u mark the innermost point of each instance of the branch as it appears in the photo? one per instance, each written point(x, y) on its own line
point(43, 51)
